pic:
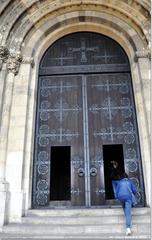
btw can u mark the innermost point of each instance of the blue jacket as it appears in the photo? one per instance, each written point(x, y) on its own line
point(124, 189)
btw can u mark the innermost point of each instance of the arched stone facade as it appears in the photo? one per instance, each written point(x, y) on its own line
point(28, 28)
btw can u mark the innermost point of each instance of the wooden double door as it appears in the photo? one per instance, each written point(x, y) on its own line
point(85, 119)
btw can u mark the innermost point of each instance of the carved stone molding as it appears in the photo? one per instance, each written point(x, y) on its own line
point(28, 60)
point(4, 53)
point(145, 53)
point(13, 62)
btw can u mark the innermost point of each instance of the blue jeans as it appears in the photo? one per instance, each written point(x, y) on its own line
point(127, 204)
point(114, 185)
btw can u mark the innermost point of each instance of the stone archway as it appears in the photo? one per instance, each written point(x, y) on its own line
point(28, 29)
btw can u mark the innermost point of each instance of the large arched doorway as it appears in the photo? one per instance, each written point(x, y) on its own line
point(85, 119)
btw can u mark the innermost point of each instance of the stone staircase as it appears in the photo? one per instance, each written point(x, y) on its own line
point(91, 224)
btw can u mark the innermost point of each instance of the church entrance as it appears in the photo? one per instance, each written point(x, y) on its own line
point(85, 119)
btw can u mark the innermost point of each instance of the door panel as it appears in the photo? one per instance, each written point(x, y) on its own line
point(59, 123)
point(84, 102)
point(112, 120)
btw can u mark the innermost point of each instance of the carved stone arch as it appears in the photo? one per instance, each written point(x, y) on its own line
point(40, 43)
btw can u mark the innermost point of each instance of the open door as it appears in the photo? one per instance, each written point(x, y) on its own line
point(60, 174)
point(111, 153)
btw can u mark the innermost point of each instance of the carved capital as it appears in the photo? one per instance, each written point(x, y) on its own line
point(13, 62)
point(4, 53)
point(145, 53)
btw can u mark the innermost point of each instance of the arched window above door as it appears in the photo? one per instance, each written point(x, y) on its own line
point(84, 52)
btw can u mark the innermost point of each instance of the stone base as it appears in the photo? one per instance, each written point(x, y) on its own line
point(4, 203)
point(16, 206)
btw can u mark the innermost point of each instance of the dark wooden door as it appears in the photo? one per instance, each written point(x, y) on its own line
point(85, 104)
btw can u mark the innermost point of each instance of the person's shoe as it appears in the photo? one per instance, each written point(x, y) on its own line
point(128, 231)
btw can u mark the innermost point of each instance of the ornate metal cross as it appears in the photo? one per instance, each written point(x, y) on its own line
point(83, 50)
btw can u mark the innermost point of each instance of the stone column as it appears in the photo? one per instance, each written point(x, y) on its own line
point(4, 53)
point(13, 67)
point(16, 160)
point(142, 59)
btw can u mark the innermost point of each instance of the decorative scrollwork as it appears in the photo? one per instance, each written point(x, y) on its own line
point(135, 181)
point(132, 165)
point(41, 199)
point(124, 89)
point(44, 129)
point(43, 156)
point(128, 127)
point(129, 139)
point(131, 153)
point(75, 191)
point(97, 161)
point(45, 105)
point(45, 92)
point(42, 185)
point(44, 116)
point(43, 169)
point(43, 141)
point(77, 161)
point(100, 191)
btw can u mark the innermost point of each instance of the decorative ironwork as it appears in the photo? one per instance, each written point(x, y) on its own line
point(42, 185)
point(45, 105)
point(43, 141)
point(75, 191)
point(43, 168)
point(77, 161)
point(135, 181)
point(41, 198)
point(109, 83)
point(43, 156)
point(58, 135)
point(110, 108)
point(111, 133)
point(60, 110)
point(90, 50)
point(100, 191)
point(130, 153)
point(59, 86)
point(83, 50)
point(81, 172)
point(103, 104)
point(138, 197)
point(97, 161)
point(44, 116)
point(93, 172)
point(132, 165)
point(44, 129)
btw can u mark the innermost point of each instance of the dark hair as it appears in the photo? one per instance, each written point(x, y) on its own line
point(123, 175)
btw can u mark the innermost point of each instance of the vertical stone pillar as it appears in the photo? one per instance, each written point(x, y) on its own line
point(13, 67)
point(142, 59)
point(3, 71)
point(16, 143)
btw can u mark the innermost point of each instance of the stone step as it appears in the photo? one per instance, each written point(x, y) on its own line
point(78, 224)
point(72, 237)
point(85, 212)
point(42, 229)
point(84, 220)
